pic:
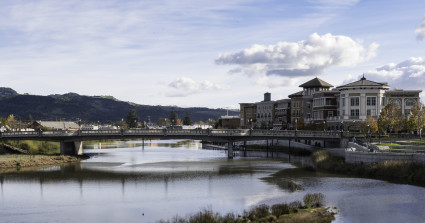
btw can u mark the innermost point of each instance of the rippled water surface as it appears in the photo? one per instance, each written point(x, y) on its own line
point(128, 182)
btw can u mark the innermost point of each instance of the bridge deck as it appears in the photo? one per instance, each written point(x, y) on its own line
point(235, 134)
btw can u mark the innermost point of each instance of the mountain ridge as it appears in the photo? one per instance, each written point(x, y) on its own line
point(72, 106)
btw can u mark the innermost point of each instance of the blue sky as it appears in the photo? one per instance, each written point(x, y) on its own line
point(207, 53)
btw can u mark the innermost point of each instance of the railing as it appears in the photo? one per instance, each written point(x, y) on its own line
point(175, 132)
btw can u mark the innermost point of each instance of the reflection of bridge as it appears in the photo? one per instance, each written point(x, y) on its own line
point(71, 141)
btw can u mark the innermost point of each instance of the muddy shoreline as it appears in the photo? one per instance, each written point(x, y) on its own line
point(10, 163)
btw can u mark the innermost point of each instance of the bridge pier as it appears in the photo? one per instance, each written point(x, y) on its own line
point(71, 148)
point(230, 150)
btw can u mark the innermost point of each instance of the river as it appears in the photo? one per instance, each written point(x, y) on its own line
point(124, 181)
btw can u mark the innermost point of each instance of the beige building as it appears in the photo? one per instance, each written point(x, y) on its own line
point(248, 113)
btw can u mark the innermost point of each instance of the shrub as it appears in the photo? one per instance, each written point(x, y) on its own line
point(313, 200)
point(260, 211)
point(281, 209)
point(296, 205)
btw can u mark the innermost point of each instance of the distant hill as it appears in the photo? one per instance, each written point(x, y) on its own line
point(73, 106)
point(7, 92)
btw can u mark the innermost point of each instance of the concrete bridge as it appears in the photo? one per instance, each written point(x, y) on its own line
point(71, 141)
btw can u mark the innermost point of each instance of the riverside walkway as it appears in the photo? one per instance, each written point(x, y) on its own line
point(71, 141)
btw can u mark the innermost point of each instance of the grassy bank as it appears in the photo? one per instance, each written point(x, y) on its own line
point(18, 162)
point(34, 147)
point(311, 211)
point(400, 172)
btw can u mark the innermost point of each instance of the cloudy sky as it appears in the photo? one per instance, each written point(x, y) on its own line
point(207, 53)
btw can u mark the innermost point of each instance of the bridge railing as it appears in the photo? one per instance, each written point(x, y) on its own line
point(260, 132)
point(178, 132)
point(319, 134)
point(144, 132)
point(99, 132)
point(19, 134)
point(229, 132)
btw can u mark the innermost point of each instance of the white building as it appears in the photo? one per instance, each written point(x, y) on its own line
point(361, 99)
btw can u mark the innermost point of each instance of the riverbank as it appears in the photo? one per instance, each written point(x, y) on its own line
point(311, 211)
point(17, 162)
point(392, 171)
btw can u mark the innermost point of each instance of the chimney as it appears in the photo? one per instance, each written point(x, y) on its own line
point(267, 96)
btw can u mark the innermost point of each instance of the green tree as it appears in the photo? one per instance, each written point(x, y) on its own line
point(186, 119)
point(121, 124)
point(132, 118)
point(369, 124)
point(11, 122)
point(174, 118)
point(30, 119)
point(390, 119)
point(163, 122)
point(416, 119)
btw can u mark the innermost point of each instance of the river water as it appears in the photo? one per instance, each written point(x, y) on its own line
point(124, 181)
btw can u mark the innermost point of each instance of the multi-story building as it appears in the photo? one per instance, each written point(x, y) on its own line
point(404, 99)
point(265, 112)
point(296, 108)
point(309, 89)
point(248, 112)
point(342, 107)
point(325, 106)
point(282, 114)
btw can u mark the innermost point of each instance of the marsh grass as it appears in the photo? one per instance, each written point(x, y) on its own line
point(292, 212)
point(36, 147)
point(395, 171)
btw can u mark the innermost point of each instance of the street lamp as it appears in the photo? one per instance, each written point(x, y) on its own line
point(324, 126)
point(368, 133)
point(342, 126)
point(296, 123)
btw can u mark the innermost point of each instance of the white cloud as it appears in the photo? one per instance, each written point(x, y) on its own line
point(274, 82)
point(420, 30)
point(303, 58)
point(408, 74)
point(186, 86)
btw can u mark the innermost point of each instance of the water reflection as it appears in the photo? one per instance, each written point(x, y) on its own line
point(120, 183)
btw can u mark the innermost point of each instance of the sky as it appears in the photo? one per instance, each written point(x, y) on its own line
point(213, 54)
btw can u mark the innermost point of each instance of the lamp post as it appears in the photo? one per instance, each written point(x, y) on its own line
point(250, 123)
point(324, 126)
point(296, 124)
point(342, 126)
point(368, 134)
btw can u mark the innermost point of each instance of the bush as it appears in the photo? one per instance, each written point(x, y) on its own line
point(313, 200)
point(296, 205)
point(281, 209)
point(260, 211)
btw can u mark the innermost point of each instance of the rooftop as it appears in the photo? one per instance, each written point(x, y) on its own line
point(363, 82)
point(316, 82)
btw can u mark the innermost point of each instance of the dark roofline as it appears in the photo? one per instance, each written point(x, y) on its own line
point(297, 94)
point(363, 82)
point(316, 82)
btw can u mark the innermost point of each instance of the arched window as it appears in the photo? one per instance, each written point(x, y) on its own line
point(410, 102)
point(396, 101)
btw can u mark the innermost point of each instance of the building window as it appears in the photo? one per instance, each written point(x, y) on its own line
point(370, 101)
point(330, 113)
point(355, 112)
point(371, 112)
point(343, 102)
point(396, 101)
point(410, 102)
point(355, 101)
